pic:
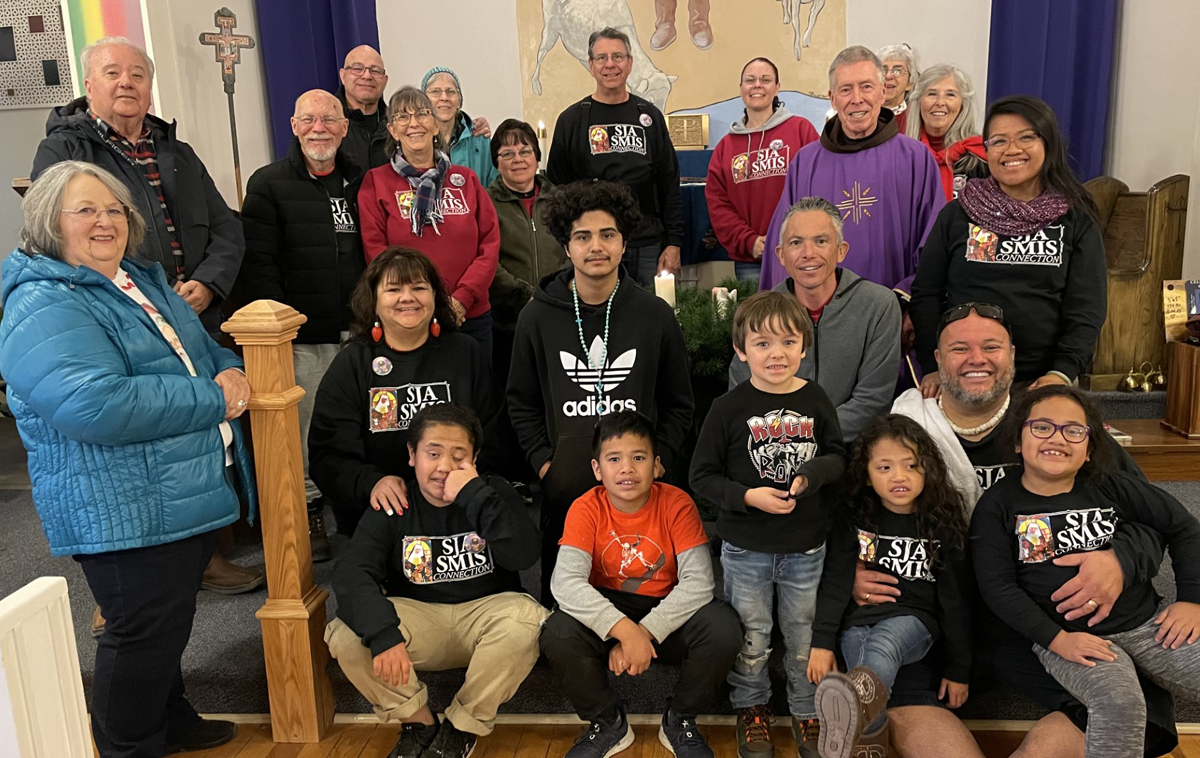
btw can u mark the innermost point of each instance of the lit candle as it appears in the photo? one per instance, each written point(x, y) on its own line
point(664, 287)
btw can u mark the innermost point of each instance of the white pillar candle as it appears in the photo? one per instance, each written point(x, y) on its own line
point(664, 287)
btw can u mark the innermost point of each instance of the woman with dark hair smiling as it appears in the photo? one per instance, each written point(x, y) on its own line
point(404, 354)
point(749, 166)
point(1026, 240)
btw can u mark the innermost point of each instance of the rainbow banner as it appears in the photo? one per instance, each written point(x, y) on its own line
point(89, 20)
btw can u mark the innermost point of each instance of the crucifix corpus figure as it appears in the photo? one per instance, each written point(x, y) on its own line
point(228, 49)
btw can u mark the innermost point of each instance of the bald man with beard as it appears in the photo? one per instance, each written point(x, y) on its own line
point(303, 248)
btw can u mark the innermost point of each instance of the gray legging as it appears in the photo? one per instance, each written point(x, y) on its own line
point(1110, 691)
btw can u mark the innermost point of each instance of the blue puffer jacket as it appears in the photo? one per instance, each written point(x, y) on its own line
point(124, 446)
point(473, 152)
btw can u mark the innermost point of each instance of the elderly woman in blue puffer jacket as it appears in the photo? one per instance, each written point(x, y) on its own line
point(124, 403)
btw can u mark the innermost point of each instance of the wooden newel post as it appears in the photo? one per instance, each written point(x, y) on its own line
point(293, 617)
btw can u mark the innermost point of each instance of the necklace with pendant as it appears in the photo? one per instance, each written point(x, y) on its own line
point(598, 367)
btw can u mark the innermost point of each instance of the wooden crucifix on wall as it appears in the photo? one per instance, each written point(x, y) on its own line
point(228, 49)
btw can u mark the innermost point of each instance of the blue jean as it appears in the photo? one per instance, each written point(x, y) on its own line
point(884, 648)
point(747, 272)
point(752, 581)
point(642, 264)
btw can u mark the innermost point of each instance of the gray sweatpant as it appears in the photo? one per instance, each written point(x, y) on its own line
point(1115, 704)
point(310, 363)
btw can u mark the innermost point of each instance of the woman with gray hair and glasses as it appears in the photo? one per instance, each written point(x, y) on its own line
point(944, 118)
point(899, 73)
point(124, 403)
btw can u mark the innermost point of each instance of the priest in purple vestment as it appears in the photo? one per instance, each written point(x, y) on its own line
point(885, 185)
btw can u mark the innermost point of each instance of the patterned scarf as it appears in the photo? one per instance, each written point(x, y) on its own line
point(987, 205)
point(428, 185)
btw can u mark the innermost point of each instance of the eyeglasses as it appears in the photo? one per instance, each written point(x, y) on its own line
point(358, 70)
point(896, 71)
point(1024, 141)
point(766, 80)
point(88, 214)
point(1044, 429)
point(508, 155)
point(402, 119)
point(437, 92)
point(617, 58)
point(959, 312)
point(309, 121)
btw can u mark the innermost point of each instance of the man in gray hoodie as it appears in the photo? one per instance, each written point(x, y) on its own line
point(855, 353)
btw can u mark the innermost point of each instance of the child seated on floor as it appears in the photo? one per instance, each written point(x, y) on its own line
point(906, 519)
point(451, 594)
point(768, 454)
point(634, 582)
point(1068, 499)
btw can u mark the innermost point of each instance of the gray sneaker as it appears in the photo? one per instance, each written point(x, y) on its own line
point(602, 739)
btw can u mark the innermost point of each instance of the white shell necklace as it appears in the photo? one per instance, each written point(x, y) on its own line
point(986, 426)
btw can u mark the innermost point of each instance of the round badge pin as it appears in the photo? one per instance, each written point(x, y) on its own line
point(381, 366)
point(776, 144)
point(458, 180)
point(645, 119)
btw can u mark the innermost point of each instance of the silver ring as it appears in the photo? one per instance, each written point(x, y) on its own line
point(241, 403)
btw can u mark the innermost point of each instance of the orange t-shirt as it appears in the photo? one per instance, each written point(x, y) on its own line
point(635, 552)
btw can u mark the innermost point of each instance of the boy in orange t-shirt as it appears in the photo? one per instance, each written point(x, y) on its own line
point(634, 582)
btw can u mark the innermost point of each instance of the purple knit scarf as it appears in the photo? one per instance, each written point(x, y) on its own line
point(987, 205)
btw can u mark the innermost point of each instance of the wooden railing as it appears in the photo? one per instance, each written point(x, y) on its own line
point(293, 617)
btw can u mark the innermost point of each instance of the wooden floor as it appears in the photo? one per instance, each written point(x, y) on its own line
point(528, 741)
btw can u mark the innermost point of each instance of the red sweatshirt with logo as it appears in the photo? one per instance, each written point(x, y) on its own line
point(746, 175)
point(465, 247)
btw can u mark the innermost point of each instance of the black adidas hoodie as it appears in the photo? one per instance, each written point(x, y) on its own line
point(552, 392)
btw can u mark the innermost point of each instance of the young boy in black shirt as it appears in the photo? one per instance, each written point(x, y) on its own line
point(765, 454)
point(452, 598)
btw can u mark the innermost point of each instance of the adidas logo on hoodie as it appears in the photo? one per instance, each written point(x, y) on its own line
point(610, 376)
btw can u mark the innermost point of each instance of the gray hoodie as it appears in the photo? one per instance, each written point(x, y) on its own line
point(855, 355)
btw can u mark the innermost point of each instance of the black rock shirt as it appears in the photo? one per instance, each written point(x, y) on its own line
point(1016, 535)
point(626, 143)
point(935, 584)
point(755, 439)
point(464, 551)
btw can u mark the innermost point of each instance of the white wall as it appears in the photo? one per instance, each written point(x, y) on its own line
point(23, 129)
point(190, 89)
point(476, 38)
point(940, 31)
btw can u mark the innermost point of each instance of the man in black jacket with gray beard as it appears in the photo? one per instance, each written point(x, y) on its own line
point(303, 248)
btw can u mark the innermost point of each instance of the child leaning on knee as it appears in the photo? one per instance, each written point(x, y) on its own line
point(634, 582)
point(1068, 500)
point(905, 519)
point(767, 455)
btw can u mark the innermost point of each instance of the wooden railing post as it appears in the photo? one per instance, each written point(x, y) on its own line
point(293, 617)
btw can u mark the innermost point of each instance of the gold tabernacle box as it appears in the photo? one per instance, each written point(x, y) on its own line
point(689, 131)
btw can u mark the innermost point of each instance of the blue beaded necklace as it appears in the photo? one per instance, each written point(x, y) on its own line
point(599, 368)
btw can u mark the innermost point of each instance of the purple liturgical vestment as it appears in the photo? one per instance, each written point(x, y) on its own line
point(886, 188)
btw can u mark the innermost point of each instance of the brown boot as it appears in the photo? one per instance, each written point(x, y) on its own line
point(698, 26)
point(664, 24)
point(846, 705)
point(873, 745)
point(225, 578)
point(97, 622)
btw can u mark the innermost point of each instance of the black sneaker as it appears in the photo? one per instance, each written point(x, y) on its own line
point(414, 738)
point(321, 551)
point(202, 735)
point(451, 743)
point(603, 739)
point(680, 735)
point(754, 732)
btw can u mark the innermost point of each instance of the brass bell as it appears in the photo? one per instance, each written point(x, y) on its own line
point(1130, 383)
point(1145, 386)
point(1147, 373)
point(1158, 381)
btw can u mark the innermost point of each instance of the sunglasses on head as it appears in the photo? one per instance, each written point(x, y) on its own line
point(959, 312)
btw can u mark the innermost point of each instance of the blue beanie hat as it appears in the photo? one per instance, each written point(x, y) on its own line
point(441, 70)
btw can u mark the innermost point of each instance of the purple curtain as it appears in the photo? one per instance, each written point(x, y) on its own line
point(1062, 52)
point(303, 45)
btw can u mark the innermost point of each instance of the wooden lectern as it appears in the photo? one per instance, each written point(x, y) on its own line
point(293, 618)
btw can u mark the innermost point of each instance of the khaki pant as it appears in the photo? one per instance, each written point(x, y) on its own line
point(495, 638)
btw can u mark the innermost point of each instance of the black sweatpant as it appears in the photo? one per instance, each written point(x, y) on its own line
point(704, 648)
point(148, 598)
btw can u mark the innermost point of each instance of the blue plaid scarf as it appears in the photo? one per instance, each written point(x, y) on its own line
point(428, 185)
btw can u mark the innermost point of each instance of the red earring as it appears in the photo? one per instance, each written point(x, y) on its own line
point(377, 332)
point(435, 328)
